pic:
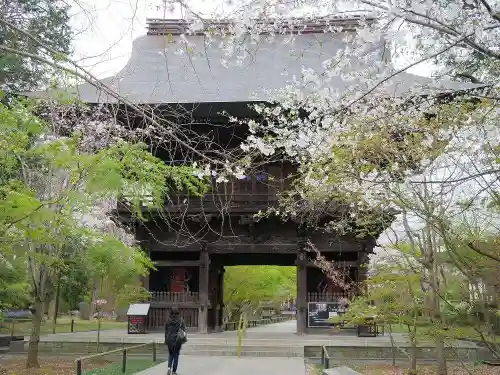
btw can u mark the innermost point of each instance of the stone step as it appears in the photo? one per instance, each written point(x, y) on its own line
point(4, 349)
point(246, 350)
point(244, 347)
point(246, 353)
point(192, 349)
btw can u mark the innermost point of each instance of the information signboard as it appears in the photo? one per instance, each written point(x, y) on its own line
point(320, 314)
point(137, 314)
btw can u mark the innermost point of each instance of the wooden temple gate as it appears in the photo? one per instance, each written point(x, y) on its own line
point(190, 274)
point(205, 234)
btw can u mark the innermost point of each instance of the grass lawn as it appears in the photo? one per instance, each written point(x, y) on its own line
point(427, 370)
point(459, 332)
point(16, 366)
point(133, 366)
point(23, 328)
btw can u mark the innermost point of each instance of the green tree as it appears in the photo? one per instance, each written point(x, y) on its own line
point(48, 186)
point(75, 285)
point(394, 298)
point(14, 287)
point(49, 21)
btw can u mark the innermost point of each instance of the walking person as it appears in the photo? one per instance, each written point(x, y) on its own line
point(175, 336)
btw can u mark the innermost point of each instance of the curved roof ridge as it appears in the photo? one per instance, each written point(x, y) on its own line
point(335, 23)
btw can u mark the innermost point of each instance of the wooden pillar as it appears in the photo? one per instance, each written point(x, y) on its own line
point(145, 281)
point(220, 298)
point(134, 224)
point(361, 280)
point(301, 292)
point(214, 286)
point(361, 271)
point(203, 291)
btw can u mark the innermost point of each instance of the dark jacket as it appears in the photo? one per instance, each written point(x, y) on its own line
point(174, 324)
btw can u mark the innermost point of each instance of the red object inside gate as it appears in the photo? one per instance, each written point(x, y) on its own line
point(178, 280)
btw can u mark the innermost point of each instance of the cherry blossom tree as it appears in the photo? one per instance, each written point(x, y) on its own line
point(386, 142)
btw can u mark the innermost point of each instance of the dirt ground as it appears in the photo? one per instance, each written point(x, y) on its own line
point(429, 370)
point(17, 366)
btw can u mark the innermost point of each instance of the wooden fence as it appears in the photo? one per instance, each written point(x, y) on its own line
point(157, 317)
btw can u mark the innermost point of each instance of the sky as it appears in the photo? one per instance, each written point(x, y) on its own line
point(105, 30)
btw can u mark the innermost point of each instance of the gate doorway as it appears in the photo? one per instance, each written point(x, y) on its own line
point(258, 291)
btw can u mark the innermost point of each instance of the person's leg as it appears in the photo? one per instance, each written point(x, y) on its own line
point(170, 358)
point(175, 363)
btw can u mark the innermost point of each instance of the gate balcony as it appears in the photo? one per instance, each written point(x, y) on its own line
point(180, 299)
point(213, 203)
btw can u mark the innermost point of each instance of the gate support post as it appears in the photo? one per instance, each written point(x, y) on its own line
point(203, 291)
point(301, 289)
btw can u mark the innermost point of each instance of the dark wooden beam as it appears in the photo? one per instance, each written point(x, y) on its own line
point(177, 263)
point(172, 247)
point(240, 248)
point(339, 263)
point(339, 248)
point(181, 305)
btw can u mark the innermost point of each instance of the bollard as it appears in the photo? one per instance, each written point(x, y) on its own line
point(325, 358)
point(12, 328)
point(124, 362)
point(78, 367)
point(154, 351)
point(72, 325)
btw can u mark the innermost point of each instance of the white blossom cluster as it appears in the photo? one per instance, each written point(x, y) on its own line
point(218, 175)
point(363, 90)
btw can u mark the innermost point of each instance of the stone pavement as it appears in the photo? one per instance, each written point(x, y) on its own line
point(192, 365)
point(224, 365)
point(281, 334)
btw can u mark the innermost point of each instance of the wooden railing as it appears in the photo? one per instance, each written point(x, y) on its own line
point(221, 199)
point(115, 367)
point(175, 296)
point(329, 297)
point(160, 296)
point(325, 358)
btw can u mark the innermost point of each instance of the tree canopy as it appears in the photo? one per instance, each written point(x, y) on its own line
point(251, 286)
point(48, 20)
point(54, 214)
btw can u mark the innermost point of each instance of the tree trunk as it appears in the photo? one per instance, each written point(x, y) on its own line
point(436, 314)
point(95, 295)
point(413, 353)
point(393, 346)
point(32, 361)
point(440, 356)
point(56, 304)
point(51, 309)
point(437, 319)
